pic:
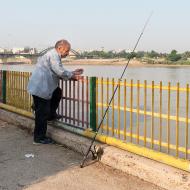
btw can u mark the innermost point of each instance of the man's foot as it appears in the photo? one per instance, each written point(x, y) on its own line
point(45, 140)
point(49, 140)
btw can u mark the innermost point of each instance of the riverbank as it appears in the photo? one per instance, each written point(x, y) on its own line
point(99, 62)
point(117, 62)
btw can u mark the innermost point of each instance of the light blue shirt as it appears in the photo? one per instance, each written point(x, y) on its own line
point(45, 77)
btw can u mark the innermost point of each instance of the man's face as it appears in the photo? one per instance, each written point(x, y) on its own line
point(64, 51)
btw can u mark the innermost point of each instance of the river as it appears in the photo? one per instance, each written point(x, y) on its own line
point(165, 74)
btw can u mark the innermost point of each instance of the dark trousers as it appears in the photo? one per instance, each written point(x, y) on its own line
point(44, 110)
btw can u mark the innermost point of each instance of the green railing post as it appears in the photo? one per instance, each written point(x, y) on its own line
point(4, 86)
point(93, 103)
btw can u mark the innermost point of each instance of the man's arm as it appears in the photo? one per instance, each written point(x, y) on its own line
point(58, 69)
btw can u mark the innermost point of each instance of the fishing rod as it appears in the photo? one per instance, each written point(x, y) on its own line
point(120, 79)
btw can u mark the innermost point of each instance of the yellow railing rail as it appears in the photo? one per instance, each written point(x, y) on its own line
point(174, 88)
point(16, 90)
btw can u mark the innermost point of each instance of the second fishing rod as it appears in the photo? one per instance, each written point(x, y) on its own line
point(113, 95)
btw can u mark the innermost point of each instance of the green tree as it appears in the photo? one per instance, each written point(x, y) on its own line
point(153, 54)
point(140, 54)
point(173, 56)
point(186, 55)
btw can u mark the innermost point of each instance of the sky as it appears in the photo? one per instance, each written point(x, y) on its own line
point(96, 24)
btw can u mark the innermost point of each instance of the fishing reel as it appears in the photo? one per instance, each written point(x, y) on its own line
point(97, 152)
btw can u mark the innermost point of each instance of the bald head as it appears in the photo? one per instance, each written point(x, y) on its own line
point(63, 43)
point(63, 47)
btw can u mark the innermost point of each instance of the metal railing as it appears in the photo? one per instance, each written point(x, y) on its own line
point(1, 86)
point(16, 90)
point(152, 115)
point(74, 105)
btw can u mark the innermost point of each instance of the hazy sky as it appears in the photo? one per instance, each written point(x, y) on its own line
point(92, 24)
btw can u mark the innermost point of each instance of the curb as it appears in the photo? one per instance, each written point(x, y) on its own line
point(154, 172)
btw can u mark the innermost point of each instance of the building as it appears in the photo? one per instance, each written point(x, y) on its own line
point(17, 50)
point(2, 50)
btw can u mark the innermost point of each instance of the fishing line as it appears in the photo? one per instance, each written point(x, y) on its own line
point(120, 79)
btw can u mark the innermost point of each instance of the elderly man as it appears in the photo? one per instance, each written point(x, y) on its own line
point(43, 86)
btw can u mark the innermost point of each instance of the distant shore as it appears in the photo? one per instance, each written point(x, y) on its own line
point(117, 62)
point(99, 62)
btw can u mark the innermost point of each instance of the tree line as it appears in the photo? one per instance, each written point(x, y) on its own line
point(173, 56)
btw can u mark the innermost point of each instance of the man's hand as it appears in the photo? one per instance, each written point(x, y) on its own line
point(78, 72)
point(76, 77)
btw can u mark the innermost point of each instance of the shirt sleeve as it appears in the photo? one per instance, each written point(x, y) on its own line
point(58, 69)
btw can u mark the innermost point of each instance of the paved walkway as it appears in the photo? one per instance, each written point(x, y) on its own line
point(54, 167)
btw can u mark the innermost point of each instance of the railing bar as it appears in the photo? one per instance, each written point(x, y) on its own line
point(102, 99)
point(29, 97)
point(113, 107)
point(131, 113)
point(24, 92)
point(69, 101)
point(62, 87)
point(82, 103)
point(177, 121)
point(141, 138)
point(119, 117)
point(138, 105)
point(26, 102)
point(168, 123)
point(66, 108)
point(18, 90)
point(21, 90)
point(173, 88)
point(80, 121)
point(22, 87)
point(145, 102)
point(125, 119)
point(58, 109)
point(74, 103)
point(187, 126)
point(78, 101)
point(87, 100)
point(96, 102)
point(152, 120)
point(107, 101)
point(7, 87)
point(148, 113)
point(160, 133)
point(14, 91)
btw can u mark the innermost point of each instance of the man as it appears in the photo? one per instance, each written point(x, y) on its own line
point(43, 86)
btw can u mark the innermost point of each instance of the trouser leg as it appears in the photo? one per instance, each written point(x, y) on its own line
point(54, 104)
point(42, 110)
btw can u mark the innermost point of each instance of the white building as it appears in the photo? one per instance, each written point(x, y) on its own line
point(17, 50)
point(2, 50)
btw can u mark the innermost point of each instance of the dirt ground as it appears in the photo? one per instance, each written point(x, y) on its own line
point(54, 167)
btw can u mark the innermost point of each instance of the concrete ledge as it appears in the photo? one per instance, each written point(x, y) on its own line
point(154, 172)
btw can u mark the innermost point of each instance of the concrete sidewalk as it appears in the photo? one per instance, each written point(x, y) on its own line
point(54, 167)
